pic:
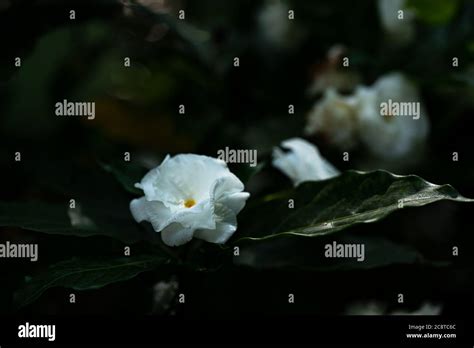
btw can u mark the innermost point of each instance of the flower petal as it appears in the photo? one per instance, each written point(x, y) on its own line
point(225, 227)
point(199, 216)
point(153, 211)
point(228, 191)
point(303, 162)
point(175, 235)
point(188, 176)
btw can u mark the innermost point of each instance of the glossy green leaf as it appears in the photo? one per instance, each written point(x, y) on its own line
point(82, 221)
point(80, 274)
point(325, 207)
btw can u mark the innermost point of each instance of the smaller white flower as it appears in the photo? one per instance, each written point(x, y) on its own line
point(346, 121)
point(391, 137)
point(190, 196)
point(302, 162)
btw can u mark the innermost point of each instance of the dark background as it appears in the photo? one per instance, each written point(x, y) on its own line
point(245, 107)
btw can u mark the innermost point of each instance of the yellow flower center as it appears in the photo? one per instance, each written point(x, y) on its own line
point(189, 203)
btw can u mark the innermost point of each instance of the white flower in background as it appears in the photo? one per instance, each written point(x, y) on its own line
point(425, 309)
point(336, 116)
point(365, 308)
point(376, 308)
point(357, 118)
point(399, 30)
point(190, 196)
point(302, 162)
point(163, 295)
point(390, 136)
point(274, 23)
point(78, 219)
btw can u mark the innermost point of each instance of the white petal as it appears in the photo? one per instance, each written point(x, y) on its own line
point(153, 211)
point(175, 235)
point(235, 201)
point(303, 162)
point(199, 216)
point(228, 191)
point(187, 176)
point(225, 227)
point(137, 207)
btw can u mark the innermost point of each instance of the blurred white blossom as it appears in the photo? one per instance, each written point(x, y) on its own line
point(163, 295)
point(274, 23)
point(399, 30)
point(425, 309)
point(356, 119)
point(390, 137)
point(377, 308)
point(78, 219)
point(302, 162)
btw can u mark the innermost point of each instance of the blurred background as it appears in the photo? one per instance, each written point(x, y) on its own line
point(182, 53)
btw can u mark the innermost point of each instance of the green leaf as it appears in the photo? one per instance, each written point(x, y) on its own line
point(127, 173)
point(434, 11)
point(86, 275)
point(57, 219)
point(325, 207)
point(309, 255)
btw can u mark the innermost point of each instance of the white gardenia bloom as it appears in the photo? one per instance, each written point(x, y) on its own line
point(357, 119)
point(335, 115)
point(390, 137)
point(400, 30)
point(302, 162)
point(190, 196)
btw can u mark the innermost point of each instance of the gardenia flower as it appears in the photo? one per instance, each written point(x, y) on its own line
point(303, 162)
point(190, 196)
point(390, 136)
point(349, 120)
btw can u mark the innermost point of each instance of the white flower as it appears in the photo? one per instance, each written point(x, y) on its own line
point(399, 30)
point(303, 162)
point(190, 196)
point(78, 219)
point(396, 136)
point(377, 308)
point(336, 116)
point(274, 23)
point(349, 120)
